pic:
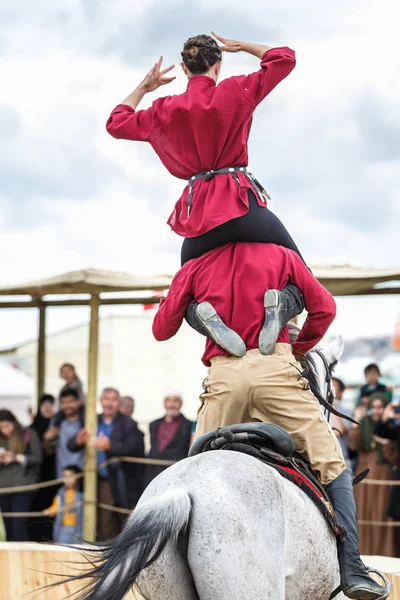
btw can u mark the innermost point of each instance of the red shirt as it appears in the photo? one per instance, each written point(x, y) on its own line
point(206, 127)
point(234, 279)
point(166, 433)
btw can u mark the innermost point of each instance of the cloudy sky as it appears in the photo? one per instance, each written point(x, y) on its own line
point(325, 143)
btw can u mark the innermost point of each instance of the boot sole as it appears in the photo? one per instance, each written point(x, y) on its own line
point(364, 594)
point(228, 339)
point(270, 330)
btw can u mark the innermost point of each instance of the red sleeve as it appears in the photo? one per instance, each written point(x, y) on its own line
point(320, 305)
point(172, 309)
point(125, 123)
point(276, 64)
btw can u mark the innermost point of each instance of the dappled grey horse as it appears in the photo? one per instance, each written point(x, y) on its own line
point(222, 525)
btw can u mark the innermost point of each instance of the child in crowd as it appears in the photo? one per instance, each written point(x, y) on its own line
point(372, 375)
point(67, 508)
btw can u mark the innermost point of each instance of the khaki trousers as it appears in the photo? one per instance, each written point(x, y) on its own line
point(270, 389)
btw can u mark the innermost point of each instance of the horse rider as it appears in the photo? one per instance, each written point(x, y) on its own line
point(232, 280)
point(201, 136)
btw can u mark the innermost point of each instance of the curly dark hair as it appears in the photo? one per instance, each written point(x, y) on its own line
point(200, 53)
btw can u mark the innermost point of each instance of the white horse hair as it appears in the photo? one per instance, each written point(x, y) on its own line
point(222, 525)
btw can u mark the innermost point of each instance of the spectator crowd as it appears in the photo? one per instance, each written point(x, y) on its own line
point(53, 448)
point(373, 445)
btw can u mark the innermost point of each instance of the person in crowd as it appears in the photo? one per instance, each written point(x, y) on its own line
point(41, 529)
point(127, 406)
point(119, 483)
point(170, 436)
point(3, 535)
point(341, 426)
point(72, 382)
point(67, 508)
point(56, 438)
point(389, 429)
point(20, 460)
point(372, 374)
point(193, 436)
point(373, 500)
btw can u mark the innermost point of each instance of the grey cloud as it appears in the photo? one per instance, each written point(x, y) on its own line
point(173, 22)
point(331, 176)
point(10, 124)
point(85, 173)
point(379, 125)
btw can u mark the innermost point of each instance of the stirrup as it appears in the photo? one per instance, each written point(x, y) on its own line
point(385, 579)
point(369, 570)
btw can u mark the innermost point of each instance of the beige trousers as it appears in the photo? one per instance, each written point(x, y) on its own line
point(270, 389)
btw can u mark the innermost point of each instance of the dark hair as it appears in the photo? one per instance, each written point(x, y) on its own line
point(73, 468)
point(17, 441)
point(7, 415)
point(371, 367)
point(128, 398)
point(70, 365)
point(69, 392)
point(46, 398)
point(340, 383)
point(200, 53)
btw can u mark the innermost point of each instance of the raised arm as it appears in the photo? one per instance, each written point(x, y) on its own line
point(320, 305)
point(276, 64)
point(124, 122)
point(236, 46)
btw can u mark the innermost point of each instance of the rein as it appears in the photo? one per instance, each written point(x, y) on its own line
point(330, 397)
point(327, 402)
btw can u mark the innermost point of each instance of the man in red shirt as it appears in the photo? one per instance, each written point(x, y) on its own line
point(256, 387)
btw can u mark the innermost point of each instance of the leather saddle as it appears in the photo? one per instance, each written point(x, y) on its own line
point(263, 435)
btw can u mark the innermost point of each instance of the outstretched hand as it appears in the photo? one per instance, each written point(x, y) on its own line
point(229, 45)
point(155, 78)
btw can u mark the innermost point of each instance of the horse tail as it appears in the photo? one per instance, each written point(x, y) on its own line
point(145, 535)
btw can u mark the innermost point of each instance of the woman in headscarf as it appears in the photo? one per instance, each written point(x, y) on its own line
point(41, 529)
point(373, 499)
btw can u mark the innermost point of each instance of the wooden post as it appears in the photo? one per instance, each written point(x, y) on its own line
point(90, 486)
point(41, 354)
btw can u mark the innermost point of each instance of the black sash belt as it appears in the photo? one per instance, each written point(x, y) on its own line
point(208, 175)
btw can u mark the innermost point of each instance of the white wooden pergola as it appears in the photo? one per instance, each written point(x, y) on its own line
point(97, 285)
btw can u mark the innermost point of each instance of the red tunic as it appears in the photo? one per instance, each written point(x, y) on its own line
point(206, 127)
point(234, 278)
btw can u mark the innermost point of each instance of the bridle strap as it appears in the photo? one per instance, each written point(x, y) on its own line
point(328, 402)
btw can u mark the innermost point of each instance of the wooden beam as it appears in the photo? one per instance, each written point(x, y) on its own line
point(41, 354)
point(72, 302)
point(90, 487)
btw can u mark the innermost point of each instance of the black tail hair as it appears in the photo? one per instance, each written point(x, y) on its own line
point(117, 564)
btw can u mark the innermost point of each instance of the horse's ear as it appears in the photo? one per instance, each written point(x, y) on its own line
point(336, 347)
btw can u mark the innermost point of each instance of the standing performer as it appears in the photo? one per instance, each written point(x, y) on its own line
point(201, 136)
point(269, 388)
